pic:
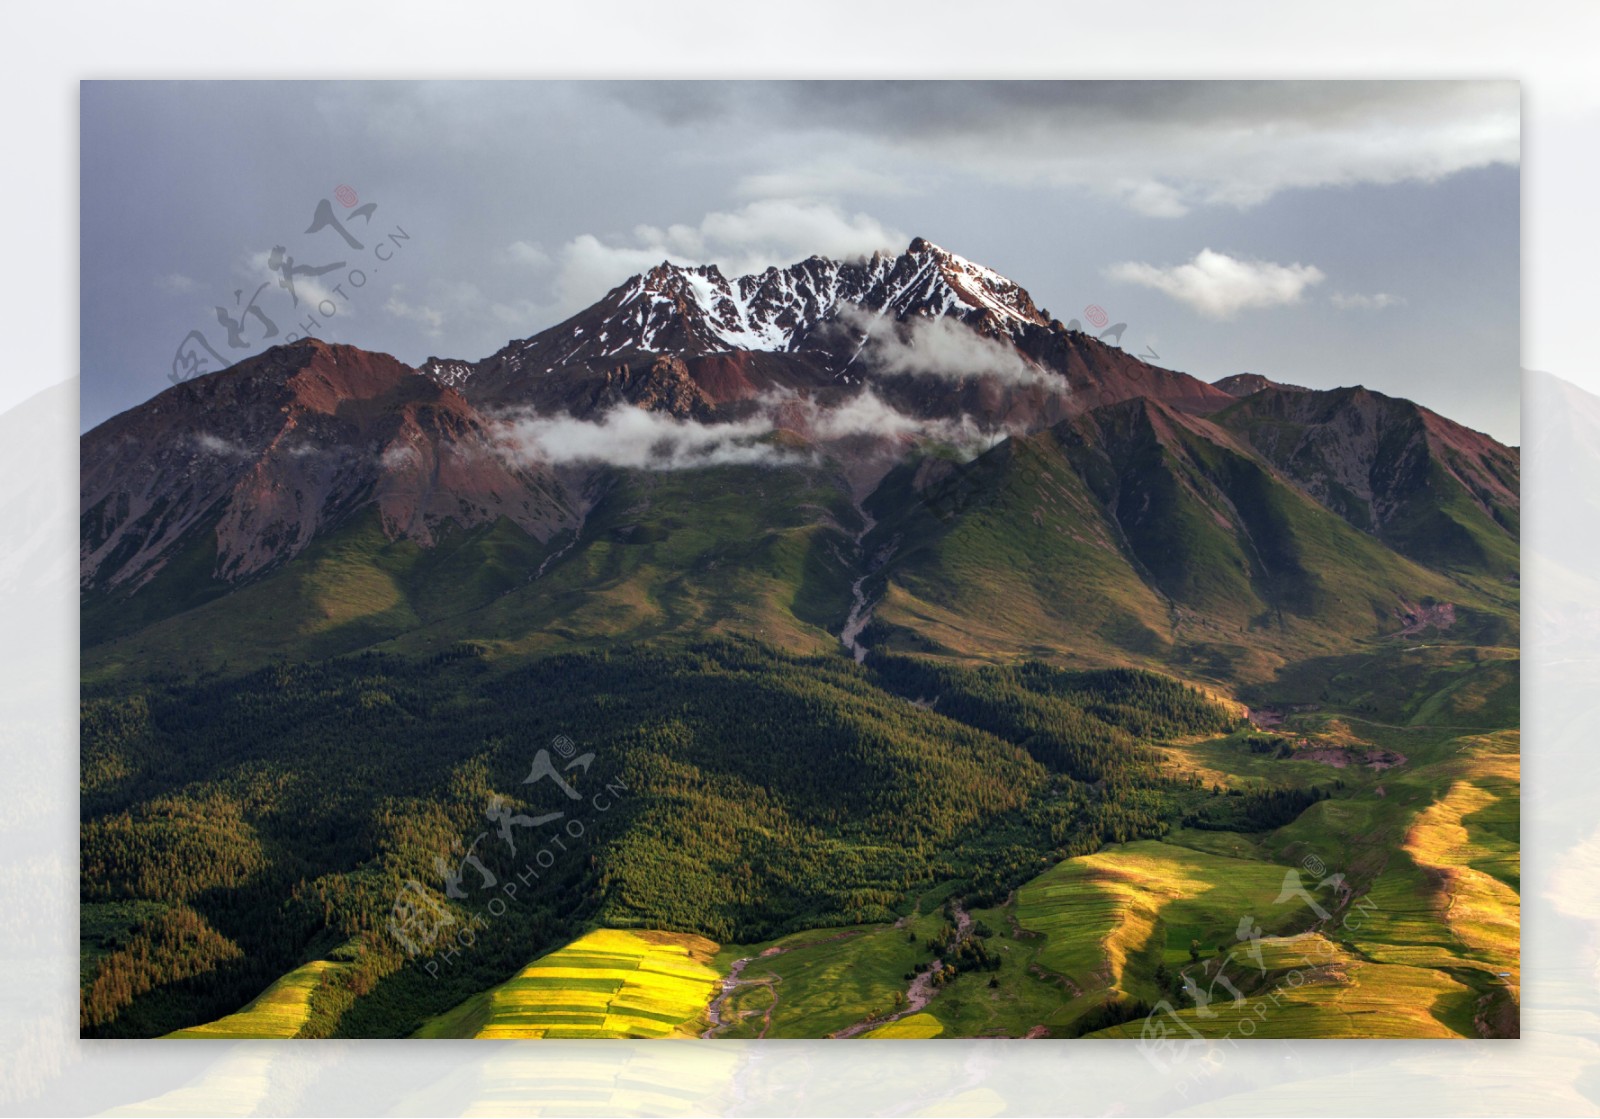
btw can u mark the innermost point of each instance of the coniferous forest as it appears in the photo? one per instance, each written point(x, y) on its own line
point(375, 810)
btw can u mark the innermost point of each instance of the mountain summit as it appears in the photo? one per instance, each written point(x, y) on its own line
point(691, 311)
point(702, 344)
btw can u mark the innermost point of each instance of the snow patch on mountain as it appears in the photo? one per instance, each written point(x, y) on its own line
point(452, 374)
point(691, 310)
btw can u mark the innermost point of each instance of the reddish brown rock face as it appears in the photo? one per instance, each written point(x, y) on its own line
point(1385, 464)
point(285, 445)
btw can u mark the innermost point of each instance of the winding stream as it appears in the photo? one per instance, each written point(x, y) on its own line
point(729, 985)
point(921, 991)
point(860, 612)
point(732, 983)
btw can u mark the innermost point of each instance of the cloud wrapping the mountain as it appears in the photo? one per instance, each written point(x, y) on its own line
point(942, 347)
point(632, 437)
point(1220, 286)
point(866, 413)
point(400, 457)
point(218, 447)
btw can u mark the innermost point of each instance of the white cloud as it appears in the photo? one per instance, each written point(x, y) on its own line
point(431, 319)
point(590, 268)
point(1151, 198)
point(1220, 286)
point(632, 437)
point(769, 232)
point(175, 283)
point(1164, 149)
point(529, 254)
point(866, 413)
point(942, 347)
point(398, 456)
point(821, 178)
point(1377, 302)
point(310, 292)
point(778, 231)
point(219, 447)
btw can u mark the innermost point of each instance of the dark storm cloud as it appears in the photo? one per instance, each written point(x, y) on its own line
point(900, 108)
point(891, 109)
point(1160, 148)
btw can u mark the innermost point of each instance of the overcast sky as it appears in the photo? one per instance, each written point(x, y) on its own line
point(1320, 234)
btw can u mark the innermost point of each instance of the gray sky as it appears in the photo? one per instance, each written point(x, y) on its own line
point(1322, 234)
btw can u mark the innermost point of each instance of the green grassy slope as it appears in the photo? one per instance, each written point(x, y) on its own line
point(1132, 535)
point(746, 550)
point(282, 1010)
point(1422, 939)
point(1436, 493)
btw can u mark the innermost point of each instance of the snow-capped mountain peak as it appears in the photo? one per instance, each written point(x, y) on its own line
point(694, 309)
point(979, 288)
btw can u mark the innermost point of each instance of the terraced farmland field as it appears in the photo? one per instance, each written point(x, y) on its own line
point(1319, 989)
point(610, 983)
point(1382, 901)
point(1425, 942)
point(282, 1010)
point(912, 1026)
point(1111, 917)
